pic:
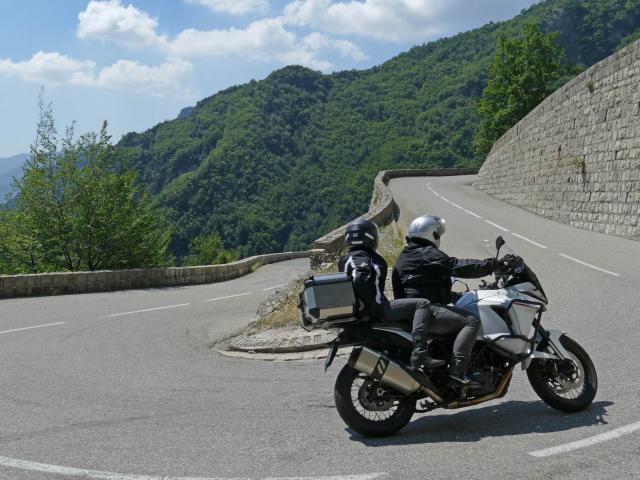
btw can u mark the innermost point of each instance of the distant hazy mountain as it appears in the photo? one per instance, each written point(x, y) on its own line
point(9, 168)
point(10, 163)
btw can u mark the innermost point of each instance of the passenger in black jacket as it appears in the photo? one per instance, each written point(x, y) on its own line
point(369, 273)
point(424, 271)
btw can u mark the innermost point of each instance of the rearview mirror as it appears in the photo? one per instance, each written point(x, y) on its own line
point(499, 243)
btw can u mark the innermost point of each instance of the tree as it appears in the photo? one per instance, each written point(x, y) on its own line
point(78, 208)
point(207, 249)
point(523, 73)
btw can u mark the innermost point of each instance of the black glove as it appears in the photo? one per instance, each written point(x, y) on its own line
point(495, 264)
point(503, 264)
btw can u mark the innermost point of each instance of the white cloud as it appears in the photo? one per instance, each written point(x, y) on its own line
point(317, 41)
point(139, 78)
point(234, 7)
point(111, 20)
point(263, 40)
point(46, 67)
point(398, 20)
point(53, 68)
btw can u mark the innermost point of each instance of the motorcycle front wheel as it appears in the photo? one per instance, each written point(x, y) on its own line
point(368, 407)
point(569, 385)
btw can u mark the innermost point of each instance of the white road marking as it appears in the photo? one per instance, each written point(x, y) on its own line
point(522, 237)
point(589, 265)
point(275, 286)
point(497, 226)
point(587, 442)
point(438, 195)
point(228, 296)
point(146, 310)
point(102, 475)
point(473, 214)
point(528, 240)
point(31, 328)
point(363, 476)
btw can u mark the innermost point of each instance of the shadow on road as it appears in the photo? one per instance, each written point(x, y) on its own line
point(502, 420)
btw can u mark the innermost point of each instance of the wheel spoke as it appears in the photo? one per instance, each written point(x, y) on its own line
point(370, 399)
point(567, 383)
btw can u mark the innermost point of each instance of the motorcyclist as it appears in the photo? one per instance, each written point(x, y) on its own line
point(424, 271)
point(369, 273)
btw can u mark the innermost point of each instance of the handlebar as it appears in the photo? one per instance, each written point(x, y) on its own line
point(507, 266)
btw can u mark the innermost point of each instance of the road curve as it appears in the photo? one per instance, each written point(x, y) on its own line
point(128, 385)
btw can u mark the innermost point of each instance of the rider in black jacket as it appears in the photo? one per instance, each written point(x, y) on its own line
point(424, 271)
point(369, 273)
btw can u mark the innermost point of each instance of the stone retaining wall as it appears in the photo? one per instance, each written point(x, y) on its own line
point(576, 157)
point(382, 209)
point(107, 280)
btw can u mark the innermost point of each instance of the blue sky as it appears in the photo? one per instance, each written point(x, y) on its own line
point(135, 63)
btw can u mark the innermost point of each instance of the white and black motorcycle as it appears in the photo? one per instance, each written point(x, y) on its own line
point(377, 393)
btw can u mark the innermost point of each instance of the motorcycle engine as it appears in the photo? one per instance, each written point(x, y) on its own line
point(486, 378)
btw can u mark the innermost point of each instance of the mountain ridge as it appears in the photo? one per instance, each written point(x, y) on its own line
point(10, 167)
point(275, 163)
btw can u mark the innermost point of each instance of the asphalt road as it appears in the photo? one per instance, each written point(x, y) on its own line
point(128, 389)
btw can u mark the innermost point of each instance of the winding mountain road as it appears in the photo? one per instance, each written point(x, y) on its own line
point(124, 386)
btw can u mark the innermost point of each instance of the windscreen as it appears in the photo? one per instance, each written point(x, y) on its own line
point(526, 275)
point(489, 246)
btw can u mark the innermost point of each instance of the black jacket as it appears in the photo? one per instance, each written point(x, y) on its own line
point(423, 271)
point(369, 273)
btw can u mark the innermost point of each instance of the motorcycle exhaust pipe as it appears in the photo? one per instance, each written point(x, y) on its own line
point(386, 371)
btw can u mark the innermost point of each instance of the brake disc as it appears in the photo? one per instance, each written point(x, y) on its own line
point(571, 378)
point(372, 397)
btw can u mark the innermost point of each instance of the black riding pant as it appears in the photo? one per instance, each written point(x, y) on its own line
point(447, 321)
point(416, 310)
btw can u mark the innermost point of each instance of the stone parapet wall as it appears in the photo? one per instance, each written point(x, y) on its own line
point(382, 210)
point(576, 157)
point(108, 280)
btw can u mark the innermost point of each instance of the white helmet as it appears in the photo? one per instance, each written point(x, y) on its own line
point(427, 227)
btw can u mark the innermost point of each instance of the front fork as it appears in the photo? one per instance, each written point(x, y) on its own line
point(552, 338)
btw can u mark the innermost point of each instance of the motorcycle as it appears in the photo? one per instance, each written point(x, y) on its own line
point(377, 392)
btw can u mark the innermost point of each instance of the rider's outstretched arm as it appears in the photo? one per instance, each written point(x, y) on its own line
point(472, 268)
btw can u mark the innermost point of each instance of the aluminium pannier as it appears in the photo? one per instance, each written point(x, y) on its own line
point(327, 300)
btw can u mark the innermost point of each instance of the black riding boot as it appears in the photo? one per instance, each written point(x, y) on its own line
point(421, 357)
point(458, 373)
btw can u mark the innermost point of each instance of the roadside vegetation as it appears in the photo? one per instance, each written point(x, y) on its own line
point(524, 71)
point(78, 208)
point(207, 249)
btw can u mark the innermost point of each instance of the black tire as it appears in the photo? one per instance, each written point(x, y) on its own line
point(543, 373)
point(346, 406)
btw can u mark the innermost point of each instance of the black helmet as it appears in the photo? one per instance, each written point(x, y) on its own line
point(362, 233)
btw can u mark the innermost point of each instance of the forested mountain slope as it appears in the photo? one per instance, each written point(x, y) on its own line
point(273, 164)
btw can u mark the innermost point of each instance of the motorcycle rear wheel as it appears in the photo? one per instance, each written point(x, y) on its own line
point(364, 405)
point(569, 387)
